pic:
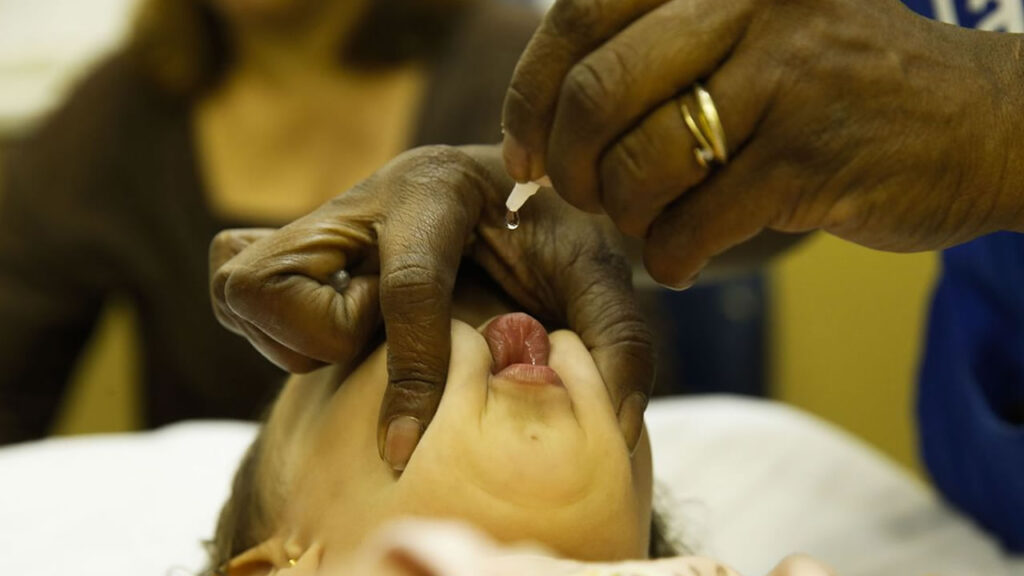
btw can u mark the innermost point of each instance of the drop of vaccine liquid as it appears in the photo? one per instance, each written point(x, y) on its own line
point(512, 219)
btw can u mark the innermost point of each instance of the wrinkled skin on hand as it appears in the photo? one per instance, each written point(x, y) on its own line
point(401, 235)
point(857, 117)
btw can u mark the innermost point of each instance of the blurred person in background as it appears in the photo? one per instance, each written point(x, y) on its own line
point(218, 114)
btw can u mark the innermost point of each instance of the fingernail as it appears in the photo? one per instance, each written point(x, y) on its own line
point(691, 281)
point(517, 159)
point(631, 419)
point(544, 181)
point(401, 439)
point(684, 285)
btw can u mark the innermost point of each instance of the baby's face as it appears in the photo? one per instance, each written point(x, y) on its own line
point(527, 454)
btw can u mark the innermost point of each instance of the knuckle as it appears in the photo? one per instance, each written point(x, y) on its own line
point(414, 383)
point(569, 18)
point(845, 214)
point(222, 250)
point(411, 396)
point(639, 358)
point(230, 243)
point(630, 333)
point(415, 285)
point(521, 103)
point(436, 168)
point(587, 89)
point(610, 291)
point(626, 172)
point(801, 51)
point(433, 160)
point(236, 286)
point(218, 283)
point(622, 324)
point(616, 63)
point(222, 241)
point(241, 288)
point(632, 157)
point(446, 155)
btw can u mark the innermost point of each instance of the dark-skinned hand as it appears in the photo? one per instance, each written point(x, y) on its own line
point(856, 117)
point(400, 236)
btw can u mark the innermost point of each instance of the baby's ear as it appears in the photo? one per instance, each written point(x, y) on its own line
point(276, 555)
point(259, 560)
point(401, 564)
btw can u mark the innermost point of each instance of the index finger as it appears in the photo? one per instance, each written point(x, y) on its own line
point(421, 244)
point(570, 30)
point(278, 293)
point(602, 309)
point(225, 246)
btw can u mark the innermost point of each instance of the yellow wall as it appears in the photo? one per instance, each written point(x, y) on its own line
point(847, 335)
point(104, 393)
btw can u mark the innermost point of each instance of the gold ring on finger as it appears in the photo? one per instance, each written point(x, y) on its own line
point(706, 128)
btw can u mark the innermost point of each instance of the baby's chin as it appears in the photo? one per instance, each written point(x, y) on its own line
point(592, 529)
point(409, 545)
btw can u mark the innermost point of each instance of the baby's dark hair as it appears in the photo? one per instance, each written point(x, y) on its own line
point(662, 544)
point(246, 520)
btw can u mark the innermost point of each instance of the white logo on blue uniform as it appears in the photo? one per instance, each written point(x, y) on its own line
point(998, 15)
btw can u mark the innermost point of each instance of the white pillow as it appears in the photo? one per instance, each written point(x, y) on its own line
point(750, 480)
point(126, 504)
point(754, 480)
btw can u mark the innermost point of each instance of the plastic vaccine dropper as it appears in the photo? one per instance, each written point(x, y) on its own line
point(521, 192)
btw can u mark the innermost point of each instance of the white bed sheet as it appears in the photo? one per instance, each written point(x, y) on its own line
point(750, 481)
point(755, 479)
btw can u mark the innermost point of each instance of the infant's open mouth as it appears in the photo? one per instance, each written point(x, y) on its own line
point(520, 347)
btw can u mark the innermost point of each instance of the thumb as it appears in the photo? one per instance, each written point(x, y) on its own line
point(280, 293)
point(602, 309)
point(228, 243)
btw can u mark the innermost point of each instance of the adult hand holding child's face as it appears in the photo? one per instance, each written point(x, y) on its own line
point(400, 236)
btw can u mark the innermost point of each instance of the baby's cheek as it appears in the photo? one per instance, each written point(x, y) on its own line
point(573, 362)
point(591, 402)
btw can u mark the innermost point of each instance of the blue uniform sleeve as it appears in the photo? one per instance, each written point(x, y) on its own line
point(971, 393)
